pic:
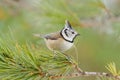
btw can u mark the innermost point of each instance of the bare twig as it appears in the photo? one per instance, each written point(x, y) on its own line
point(98, 74)
point(79, 70)
point(85, 73)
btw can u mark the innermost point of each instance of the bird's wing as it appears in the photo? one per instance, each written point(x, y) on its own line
point(53, 36)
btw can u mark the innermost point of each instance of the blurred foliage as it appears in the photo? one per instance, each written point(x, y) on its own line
point(19, 19)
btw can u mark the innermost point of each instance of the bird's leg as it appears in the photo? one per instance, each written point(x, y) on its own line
point(68, 57)
point(65, 55)
point(77, 68)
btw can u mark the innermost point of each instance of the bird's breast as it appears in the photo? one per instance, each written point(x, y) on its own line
point(66, 45)
point(59, 44)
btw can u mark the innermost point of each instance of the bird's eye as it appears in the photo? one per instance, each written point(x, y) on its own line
point(73, 32)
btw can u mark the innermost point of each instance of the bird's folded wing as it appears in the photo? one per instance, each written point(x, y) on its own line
point(53, 36)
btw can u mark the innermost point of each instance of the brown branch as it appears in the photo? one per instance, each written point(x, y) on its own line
point(98, 74)
point(79, 70)
point(82, 73)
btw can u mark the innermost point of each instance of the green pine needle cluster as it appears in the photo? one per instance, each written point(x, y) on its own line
point(24, 62)
point(113, 69)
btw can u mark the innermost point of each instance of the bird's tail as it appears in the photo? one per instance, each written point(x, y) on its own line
point(39, 35)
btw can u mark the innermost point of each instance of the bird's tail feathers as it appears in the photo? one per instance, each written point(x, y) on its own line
point(39, 35)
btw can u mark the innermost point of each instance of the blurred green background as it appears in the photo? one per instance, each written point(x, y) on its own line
point(98, 44)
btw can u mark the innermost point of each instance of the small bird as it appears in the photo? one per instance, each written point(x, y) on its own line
point(62, 40)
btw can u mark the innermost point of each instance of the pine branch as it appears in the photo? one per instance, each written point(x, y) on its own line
point(79, 74)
